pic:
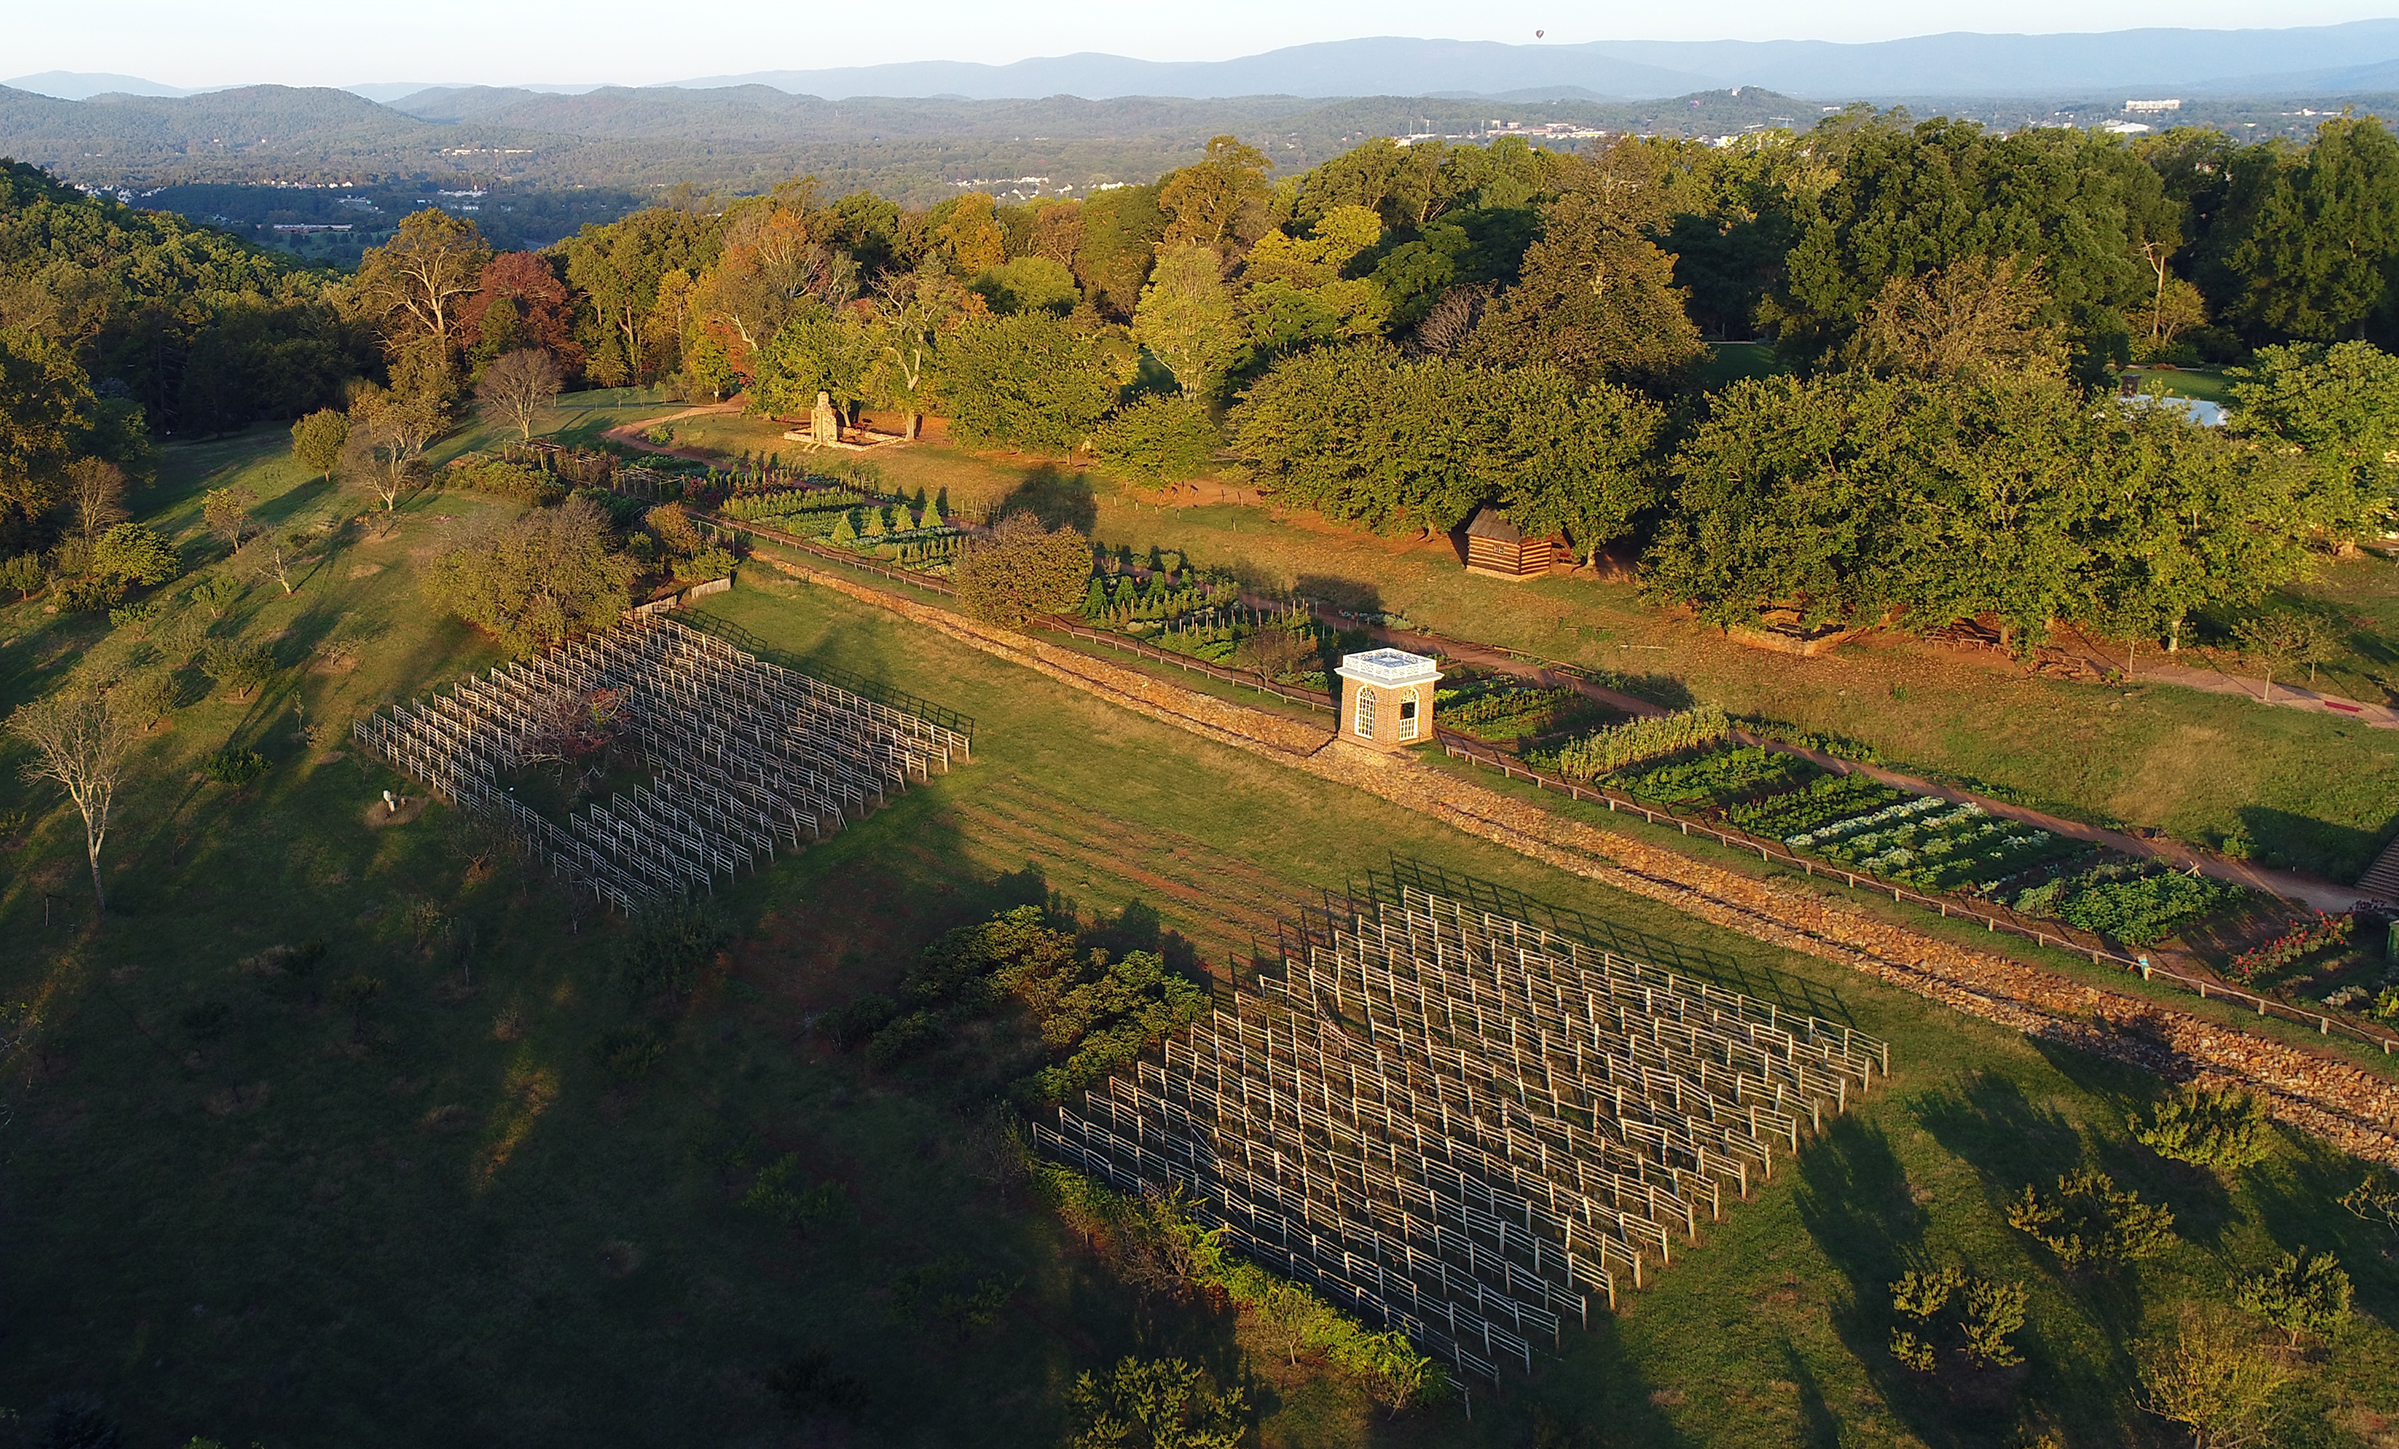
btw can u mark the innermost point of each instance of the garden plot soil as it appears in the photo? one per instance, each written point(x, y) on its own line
point(2351, 1108)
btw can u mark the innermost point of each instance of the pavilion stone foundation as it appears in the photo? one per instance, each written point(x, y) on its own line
point(1387, 698)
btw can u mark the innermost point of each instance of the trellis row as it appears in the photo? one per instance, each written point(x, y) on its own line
point(1463, 1125)
point(745, 756)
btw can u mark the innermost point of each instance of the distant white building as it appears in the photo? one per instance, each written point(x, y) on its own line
point(2152, 107)
point(2126, 128)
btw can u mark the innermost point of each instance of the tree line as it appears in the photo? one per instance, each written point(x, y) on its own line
point(1397, 336)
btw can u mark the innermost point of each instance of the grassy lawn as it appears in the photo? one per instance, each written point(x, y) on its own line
point(1728, 362)
point(237, 1208)
point(2357, 602)
point(2205, 383)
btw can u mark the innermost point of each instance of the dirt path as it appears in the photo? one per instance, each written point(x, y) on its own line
point(2314, 892)
point(630, 434)
point(2308, 890)
point(2325, 1096)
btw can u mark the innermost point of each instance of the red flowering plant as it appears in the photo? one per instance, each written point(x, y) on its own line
point(2304, 938)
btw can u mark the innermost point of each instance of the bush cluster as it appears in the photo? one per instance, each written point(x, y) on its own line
point(2089, 1222)
point(1094, 1014)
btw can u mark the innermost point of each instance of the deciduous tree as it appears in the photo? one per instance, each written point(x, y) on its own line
point(226, 511)
point(912, 312)
point(1597, 301)
point(1220, 202)
point(967, 231)
point(1022, 571)
point(274, 553)
point(1978, 314)
point(535, 582)
point(81, 743)
point(2208, 1377)
point(1580, 462)
point(820, 349)
point(131, 553)
point(45, 403)
point(1158, 438)
point(519, 302)
point(1027, 382)
point(2335, 409)
point(388, 434)
point(516, 387)
point(2280, 637)
point(619, 268)
point(416, 283)
point(2317, 260)
point(1155, 1404)
point(96, 491)
point(1186, 320)
point(317, 440)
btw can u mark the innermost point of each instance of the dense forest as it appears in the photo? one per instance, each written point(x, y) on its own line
point(1406, 333)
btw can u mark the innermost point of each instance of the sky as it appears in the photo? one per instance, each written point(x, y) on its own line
point(639, 42)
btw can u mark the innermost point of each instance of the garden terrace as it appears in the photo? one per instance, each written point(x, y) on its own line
point(744, 755)
point(1500, 708)
point(1464, 1125)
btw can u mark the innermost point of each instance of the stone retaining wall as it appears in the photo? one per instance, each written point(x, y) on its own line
point(2354, 1109)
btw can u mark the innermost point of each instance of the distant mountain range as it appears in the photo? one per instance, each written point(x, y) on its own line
point(2323, 60)
point(1959, 64)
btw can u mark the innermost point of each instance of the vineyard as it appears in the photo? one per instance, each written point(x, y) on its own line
point(1464, 1125)
point(743, 756)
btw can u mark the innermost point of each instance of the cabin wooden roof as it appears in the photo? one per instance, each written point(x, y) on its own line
point(1492, 524)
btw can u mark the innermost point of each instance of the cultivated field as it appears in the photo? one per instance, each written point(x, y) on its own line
point(251, 1200)
point(2310, 790)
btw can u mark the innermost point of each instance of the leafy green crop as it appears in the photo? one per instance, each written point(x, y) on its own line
point(1720, 776)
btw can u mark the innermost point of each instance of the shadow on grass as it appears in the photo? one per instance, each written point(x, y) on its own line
point(1136, 927)
point(283, 507)
point(1355, 595)
point(2300, 842)
point(1598, 1396)
point(817, 665)
point(1821, 1425)
point(1986, 1121)
point(1853, 1199)
point(1058, 498)
point(2297, 1196)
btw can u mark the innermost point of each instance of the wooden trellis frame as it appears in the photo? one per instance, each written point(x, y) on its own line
point(1463, 1125)
point(746, 756)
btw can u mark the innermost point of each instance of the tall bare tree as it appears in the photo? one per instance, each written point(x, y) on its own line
point(80, 741)
point(273, 555)
point(517, 386)
point(96, 489)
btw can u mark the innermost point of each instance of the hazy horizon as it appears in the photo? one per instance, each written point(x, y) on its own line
point(283, 42)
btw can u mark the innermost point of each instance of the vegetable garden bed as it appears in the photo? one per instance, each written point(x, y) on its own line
point(1502, 709)
point(1684, 763)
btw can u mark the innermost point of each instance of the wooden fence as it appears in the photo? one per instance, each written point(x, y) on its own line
point(841, 556)
point(1309, 697)
point(1993, 917)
